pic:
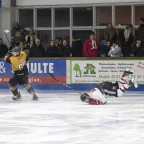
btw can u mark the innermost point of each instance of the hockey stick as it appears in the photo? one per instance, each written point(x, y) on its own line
point(65, 84)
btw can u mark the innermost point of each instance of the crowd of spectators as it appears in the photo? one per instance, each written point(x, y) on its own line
point(121, 43)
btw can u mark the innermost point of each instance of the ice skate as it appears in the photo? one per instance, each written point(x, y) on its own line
point(133, 82)
point(17, 97)
point(35, 97)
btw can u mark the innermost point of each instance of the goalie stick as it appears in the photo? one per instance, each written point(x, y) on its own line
point(65, 84)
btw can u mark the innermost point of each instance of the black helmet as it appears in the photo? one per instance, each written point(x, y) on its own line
point(84, 96)
point(16, 49)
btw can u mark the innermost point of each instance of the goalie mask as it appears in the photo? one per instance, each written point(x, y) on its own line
point(84, 96)
point(127, 72)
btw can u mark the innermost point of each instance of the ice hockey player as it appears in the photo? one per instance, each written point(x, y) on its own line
point(98, 95)
point(18, 61)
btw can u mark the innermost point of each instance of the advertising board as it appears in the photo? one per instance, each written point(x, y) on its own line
point(95, 71)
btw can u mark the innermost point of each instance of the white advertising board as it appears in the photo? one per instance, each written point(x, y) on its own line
point(95, 71)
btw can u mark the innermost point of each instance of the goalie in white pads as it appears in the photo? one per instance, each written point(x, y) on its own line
point(98, 95)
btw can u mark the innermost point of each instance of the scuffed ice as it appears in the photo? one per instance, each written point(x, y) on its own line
point(61, 118)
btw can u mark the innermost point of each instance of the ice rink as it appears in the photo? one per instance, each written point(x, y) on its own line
point(61, 118)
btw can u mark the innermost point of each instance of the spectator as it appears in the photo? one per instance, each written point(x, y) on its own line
point(140, 31)
point(52, 50)
point(65, 50)
point(23, 46)
point(58, 44)
point(30, 37)
point(126, 38)
point(18, 32)
point(3, 49)
point(37, 50)
point(91, 46)
point(110, 34)
point(137, 49)
point(115, 50)
point(77, 46)
point(14, 42)
point(104, 49)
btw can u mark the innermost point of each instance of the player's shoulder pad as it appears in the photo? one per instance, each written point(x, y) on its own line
point(22, 53)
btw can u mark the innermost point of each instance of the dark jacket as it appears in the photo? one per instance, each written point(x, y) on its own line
point(137, 51)
point(77, 47)
point(65, 51)
point(3, 50)
point(140, 33)
point(52, 51)
point(37, 51)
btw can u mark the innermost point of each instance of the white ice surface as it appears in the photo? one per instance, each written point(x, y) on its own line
point(61, 118)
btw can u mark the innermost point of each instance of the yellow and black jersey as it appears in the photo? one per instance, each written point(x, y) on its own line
point(17, 62)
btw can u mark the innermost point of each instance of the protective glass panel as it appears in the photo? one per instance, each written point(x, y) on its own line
point(26, 17)
point(103, 16)
point(62, 17)
point(82, 16)
point(43, 17)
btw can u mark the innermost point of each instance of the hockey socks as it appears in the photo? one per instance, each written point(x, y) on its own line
point(31, 91)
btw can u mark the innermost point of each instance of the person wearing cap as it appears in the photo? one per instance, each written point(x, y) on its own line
point(91, 46)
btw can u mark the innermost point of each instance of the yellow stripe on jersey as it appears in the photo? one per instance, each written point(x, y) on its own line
point(17, 62)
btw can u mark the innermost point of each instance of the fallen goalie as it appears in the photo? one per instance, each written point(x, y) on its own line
point(98, 95)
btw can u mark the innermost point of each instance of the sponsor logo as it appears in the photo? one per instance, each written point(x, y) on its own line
point(41, 67)
point(2, 68)
point(88, 71)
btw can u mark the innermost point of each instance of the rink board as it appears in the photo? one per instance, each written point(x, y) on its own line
point(80, 74)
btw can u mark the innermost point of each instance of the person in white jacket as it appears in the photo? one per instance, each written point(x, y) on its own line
point(115, 50)
point(97, 96)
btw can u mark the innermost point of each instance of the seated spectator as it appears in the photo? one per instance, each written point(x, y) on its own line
point(30, 37)
point(52, 50)
point(77, 46)
point(137, 49)
point(115, 50)
point(37, 50)
point(65, 50)
point(91, 46)
point(24, 47)
point(104, 49)
point(3, 49)
point(18, 32)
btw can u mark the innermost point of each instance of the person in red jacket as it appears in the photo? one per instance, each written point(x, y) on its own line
point(91, 46)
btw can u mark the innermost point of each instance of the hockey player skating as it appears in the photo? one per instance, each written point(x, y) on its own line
point(98, 95)
point(18, 61)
